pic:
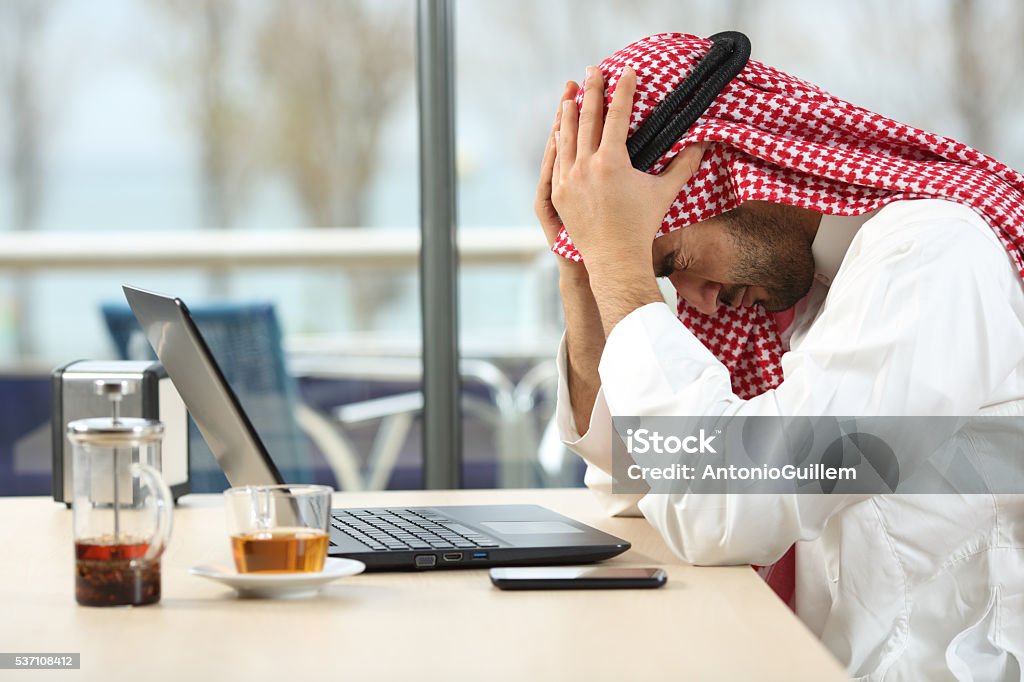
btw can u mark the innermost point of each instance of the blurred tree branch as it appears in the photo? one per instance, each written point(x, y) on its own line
point(22, 25)
point(333, 70)
point(225, 127)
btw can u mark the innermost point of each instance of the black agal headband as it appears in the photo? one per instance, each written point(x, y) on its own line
point(729, 53)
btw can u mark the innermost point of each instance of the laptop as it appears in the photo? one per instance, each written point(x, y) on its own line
point(392, 538)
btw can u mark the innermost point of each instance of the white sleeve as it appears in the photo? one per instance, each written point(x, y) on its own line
point(595, 447)
point(881, 345)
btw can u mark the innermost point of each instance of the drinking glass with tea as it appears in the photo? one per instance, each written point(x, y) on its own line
point(121, 506)
point(278, 528)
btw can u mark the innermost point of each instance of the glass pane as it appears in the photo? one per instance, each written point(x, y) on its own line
point(233, 152)
point(508, 84)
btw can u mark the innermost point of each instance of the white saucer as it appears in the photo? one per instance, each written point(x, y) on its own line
point(280, 585)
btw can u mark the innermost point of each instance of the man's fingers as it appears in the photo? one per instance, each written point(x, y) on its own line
point(566, 150)
point(547, 166)
point(616, 124)
point(555, 167)
point(568, 93)
point(684, 165)
point(591, 113)
point(548, 160)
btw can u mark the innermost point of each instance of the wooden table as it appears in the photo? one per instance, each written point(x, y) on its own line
point(717, 624)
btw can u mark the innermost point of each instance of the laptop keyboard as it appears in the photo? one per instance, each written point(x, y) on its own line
point(400, 529)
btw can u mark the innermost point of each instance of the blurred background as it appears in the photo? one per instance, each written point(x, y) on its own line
point(185, 146)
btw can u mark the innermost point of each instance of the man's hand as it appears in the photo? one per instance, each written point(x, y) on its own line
point(542, 206)
point(611, 210)
point(584, 335)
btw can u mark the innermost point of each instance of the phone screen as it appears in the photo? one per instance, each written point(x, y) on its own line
point(577, 578)
point(575, 573)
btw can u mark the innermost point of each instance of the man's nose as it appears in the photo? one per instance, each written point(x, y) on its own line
point(702, 294)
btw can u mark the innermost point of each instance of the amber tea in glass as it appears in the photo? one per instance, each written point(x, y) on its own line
point(281, 550)
point(278, 528)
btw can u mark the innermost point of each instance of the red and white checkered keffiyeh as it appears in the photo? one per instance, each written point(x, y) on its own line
point(779, 139)
point(776, 138)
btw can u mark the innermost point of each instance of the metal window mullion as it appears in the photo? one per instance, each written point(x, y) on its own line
point(442, 427)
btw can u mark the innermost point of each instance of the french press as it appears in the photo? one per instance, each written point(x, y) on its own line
point(121, 505)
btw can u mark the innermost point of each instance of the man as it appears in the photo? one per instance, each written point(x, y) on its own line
point(829, 262)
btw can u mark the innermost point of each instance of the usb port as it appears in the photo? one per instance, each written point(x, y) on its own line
point(479, 555)
point(453, 556)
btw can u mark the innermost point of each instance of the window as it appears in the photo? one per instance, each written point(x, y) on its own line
point(239, 131)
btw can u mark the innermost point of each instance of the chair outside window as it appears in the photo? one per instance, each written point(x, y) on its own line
point(245, 340)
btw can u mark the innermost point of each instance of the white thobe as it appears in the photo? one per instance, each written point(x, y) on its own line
point(917, 309)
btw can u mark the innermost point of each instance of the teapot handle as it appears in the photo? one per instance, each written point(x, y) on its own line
point(164, 506)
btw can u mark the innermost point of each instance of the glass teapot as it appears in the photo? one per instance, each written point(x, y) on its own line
point(121, 505)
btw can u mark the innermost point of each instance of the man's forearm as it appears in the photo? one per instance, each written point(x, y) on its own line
point(584, 339)
point(592, 309)
point(620, 286)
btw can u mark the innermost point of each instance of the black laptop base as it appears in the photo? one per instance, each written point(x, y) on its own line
point(395, 560)
point(419, 538)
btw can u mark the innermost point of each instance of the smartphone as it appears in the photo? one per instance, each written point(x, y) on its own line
point(577, 578)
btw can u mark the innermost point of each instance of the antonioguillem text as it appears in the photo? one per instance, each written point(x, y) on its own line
point(787, 472)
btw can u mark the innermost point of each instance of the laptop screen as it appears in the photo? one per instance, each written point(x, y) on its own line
point(178, 344)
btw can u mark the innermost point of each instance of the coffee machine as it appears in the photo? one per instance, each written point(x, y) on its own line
point(152, 396)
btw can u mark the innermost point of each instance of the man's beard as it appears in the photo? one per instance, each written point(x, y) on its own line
point(770, 254)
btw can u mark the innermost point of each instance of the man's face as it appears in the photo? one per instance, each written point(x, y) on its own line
point(756, 254)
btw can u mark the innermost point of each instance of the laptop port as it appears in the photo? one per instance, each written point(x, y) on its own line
point(453, 556)
point(425, 560)
point(479, 555)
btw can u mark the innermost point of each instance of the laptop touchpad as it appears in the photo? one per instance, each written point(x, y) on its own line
point(529, 527)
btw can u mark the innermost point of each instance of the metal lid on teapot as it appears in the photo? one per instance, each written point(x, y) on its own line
point(107, 432)
point(114, 431)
